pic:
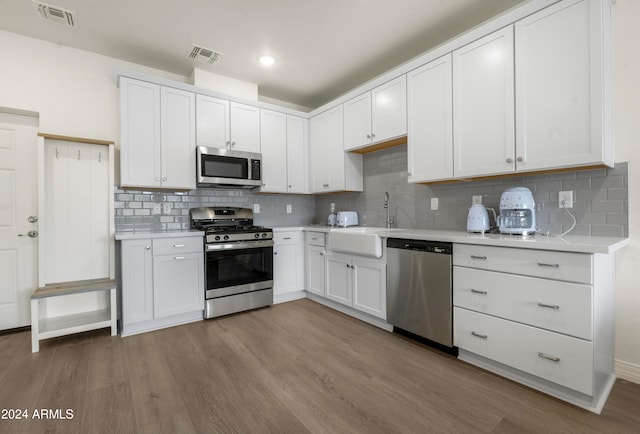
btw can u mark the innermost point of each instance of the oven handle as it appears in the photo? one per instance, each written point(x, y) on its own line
point(238, 246)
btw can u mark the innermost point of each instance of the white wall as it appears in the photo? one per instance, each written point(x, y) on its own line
point(626, 34)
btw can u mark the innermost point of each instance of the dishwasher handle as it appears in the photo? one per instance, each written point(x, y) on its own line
point(420, 245)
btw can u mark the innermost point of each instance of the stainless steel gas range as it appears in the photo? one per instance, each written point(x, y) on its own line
point(238, 260)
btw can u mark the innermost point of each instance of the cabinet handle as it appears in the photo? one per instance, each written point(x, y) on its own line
point(509, 160)
point(520, 159)
point(147, 248)
point(549, 306)
point(289, 185)
point(348, 266)
point(275, 253)
point(544, 264)
point(164, 178)
point(228, 143)
point(321, 254)
point(233, 144)
point(478, 335)
point(368, 136)
point(484, 258)
point(157, 178)
point(477, 291)
point(286, 238)
point(372, 135)
point(177, 258)
point(552, 358)
point(178, 245)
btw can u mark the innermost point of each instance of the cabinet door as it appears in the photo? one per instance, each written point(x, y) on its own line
point(430, 128)
point(137, 281)
point(140, 157)
point(338, 280)
point(483, 106)
point(178, 138)
point(297, 173)
point(212, 122)
point(335, 149)
point(287, 269)
point(357, 122)
point(560, 88)
point(316, 266)
point(273, 142)
point(178, 284)
point(319, 160)
point(245, 127)
point(389, 110)
point(370, 287)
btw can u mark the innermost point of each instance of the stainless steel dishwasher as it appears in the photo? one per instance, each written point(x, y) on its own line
point(419, 291)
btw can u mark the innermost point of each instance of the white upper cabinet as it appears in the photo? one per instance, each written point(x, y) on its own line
point(297, 156)
point(483, 106)
point(562, 67)
point(157, 136)
point(212, 122)
point(376, 116)
point(273, 137)
point(331, 168)
point(245, 127)
point(430, 129)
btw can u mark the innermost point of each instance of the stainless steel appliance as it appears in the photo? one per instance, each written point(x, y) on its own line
point(217, 167)
point(238, 260)
point(419, 289)
point(517, 212)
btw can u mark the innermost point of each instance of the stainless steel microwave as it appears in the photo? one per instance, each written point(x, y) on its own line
point(218, 167)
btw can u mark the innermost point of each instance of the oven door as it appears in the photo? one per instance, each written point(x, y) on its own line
point(234, 268)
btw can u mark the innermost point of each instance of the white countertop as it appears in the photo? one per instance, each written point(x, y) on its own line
point(147, 234)
point(568, 243)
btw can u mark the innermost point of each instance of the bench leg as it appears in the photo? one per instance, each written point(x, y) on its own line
point(35, 327)
point(114, 312)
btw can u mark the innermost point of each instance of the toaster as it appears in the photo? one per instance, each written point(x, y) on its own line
point(347, 218)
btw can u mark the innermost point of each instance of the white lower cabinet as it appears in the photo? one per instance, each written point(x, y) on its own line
point(288, 266)
point(358, 282)
point(315, 263)
point(543, 318)
point(162, 282)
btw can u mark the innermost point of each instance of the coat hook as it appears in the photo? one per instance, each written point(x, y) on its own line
point(99, 157)
point(78, 155)
point(57, 153)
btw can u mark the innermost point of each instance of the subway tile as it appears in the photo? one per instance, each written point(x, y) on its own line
point(614, 206)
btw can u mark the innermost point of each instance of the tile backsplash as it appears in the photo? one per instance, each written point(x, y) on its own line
point(600, 198)
point(600, 201)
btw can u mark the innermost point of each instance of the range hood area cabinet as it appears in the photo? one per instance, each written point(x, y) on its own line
point(157, 136)
point(376, 116)
point(332, 169)
point(546, 107)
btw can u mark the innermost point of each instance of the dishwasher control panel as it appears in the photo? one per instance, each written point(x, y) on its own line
point(420, 245)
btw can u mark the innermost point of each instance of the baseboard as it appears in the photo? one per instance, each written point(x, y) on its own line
point(628, 371)
point(289, 296)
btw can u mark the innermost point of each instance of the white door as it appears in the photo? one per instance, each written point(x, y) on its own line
point(389, 110)
point(18, 202)
point(245, 127)
point(357, 122)
point(273, 142)
point(338, 280)
point(297, 166)
point(212, 121)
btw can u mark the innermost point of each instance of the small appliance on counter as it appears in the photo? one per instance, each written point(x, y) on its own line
point(517, 212)
point(347, 218)
point(331, 220)
point(478, 218)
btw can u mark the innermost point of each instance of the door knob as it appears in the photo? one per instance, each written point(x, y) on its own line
point(31, 234)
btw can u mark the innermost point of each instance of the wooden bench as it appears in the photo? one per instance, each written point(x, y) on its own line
point(44, 327)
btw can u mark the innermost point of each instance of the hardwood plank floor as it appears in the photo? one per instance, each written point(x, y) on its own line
point(297, 367)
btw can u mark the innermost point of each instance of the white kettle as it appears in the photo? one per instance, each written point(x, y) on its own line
point(478, 218)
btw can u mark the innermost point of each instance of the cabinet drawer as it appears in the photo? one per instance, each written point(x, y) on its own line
point(282, 238)
point(315, 238)
point(570, 267)
point(557, 358)
point(169, 246)
point(557, 306)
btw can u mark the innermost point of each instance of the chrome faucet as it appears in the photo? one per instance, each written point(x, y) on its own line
point(390, 220)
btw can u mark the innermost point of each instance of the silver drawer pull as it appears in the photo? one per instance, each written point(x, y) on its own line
point(484, 258)
point(549, 306)
point(477, 291)
point(286, 238)
point(552, 358)
point(177, 258)
point(544, 264)
point(178, 245)
point(478, 335)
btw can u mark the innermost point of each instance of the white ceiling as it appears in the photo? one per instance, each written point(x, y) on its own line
point(322, 48)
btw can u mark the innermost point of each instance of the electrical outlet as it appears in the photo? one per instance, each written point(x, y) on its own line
point(565, 199)
point(288, 209)
point(256, 208)
point(434, 204)
point(476, 199)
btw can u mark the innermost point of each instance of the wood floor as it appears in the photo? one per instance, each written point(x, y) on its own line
point(296, 367)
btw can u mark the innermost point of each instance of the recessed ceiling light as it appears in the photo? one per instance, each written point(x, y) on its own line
point(267, 60)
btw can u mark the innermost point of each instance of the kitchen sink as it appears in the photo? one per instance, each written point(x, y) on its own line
point(360, 240)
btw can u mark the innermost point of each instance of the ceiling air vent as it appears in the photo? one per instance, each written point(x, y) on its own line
point(204, 55)
point(57, 15)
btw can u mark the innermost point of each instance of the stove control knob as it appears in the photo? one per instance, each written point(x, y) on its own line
point(264, 235)
point(226, 237)
point(257, 235)
point(217, 238)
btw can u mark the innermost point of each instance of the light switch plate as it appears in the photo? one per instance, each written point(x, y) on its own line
point(256, 208)
point(565, 199)
point(476, 199)
point(434, 204)
point(288, 209)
